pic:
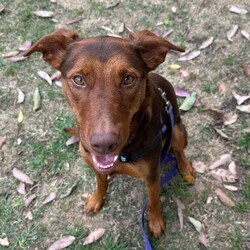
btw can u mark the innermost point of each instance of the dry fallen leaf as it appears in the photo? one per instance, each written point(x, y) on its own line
point(10, 54)
point(232, 168)
point(188, 102)
point(76, 20)
point(240, 98)
point(199, 166)
point(180, 207)
point(36, 100)
point(246, 68)
point(56, 76)
point(44, 13)
point(229, 118)
point(245, 130)
point(223, 175)
point(18, 174)
point(209, 199)
point(232, 32)
point(221, 88)
point(17, 58)
point(21, 96)
point(223, 159)
point(58, 84)
point(94, 236)
point(231, 188)
point(29, 199)
point(73, 139)
point(63, 242)
point(44, 76)
point(174, 66)
point(203, 236)
point(21, 188)
point(245, 34)
point(50, 198)
point(190, 56)
point(4, 242)
point(207, 43)
point(20, 116)
point(69, 190)
point(221, 133)
point(29, 215)
point(224, 198)
point(237, 10)
point(244, 108)
point(197, 224)
point(2, 141)
point(181, 92)
point(167, 33)
point(25, 46)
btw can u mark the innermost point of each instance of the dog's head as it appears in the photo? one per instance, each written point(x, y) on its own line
point(105, 82)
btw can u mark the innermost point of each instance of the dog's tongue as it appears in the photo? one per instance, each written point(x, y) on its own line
point(104, 163)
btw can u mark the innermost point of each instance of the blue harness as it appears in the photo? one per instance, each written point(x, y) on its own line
point(164, 158)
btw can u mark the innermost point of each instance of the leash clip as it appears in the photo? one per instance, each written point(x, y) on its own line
point(167, 103)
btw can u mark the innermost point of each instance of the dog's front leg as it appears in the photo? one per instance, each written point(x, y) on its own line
point(156, 222)
point(95, 201)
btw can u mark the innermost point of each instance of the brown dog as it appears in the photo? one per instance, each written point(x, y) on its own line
point(118, 107)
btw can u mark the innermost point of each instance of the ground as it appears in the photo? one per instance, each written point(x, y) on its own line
point(43, 155)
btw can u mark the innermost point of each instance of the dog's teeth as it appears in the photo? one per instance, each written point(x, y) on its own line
point(116, 157)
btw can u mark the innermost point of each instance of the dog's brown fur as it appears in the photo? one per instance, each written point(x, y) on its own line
point(118, 107)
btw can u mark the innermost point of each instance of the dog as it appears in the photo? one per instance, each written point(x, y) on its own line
point(115, 98)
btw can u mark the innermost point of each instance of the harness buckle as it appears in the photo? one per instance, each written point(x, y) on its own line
point(164, 97)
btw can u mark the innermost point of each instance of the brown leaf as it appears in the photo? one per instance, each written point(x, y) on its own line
point(223, 159)
point(2, 141)
point(237, 10)
point(73, 139)
point(94, 236)
point(17, 58)
point(199, 166)
point(11, 54)
point(246, 68)
point(207, 43)
point(45, 76)
point(29, 199)
point(56, 76)
point(223, 175)
point(76, 20)
point(44, 13)
point(50, 198)
point(240, 98)
point(231, 188)
point(232, 168)
point(224, 198)
point(21, 96)
point(21, 188)
point(18, 174)
point(58, 84)
point(180, 206)
point(63, 242)
point(245, 34)
point(229, 118)
point(190, 56)
point(221, 133)
point(232, 32)
point(203, 236)
point(25, 46)
point(197, 224)
point(29, 215)
point(244, 108)
point(4, 242)
point(221, 88)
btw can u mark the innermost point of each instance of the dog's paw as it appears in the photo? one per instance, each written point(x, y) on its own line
point(94, 203)
point(157, 226)
point(188, 173)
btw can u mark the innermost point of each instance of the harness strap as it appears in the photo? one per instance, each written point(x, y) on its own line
point(134, 156)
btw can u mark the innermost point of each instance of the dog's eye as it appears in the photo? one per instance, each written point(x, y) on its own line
point(128, 80)
point(79, 80)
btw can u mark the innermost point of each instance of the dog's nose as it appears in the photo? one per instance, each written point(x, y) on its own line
point(104, 143)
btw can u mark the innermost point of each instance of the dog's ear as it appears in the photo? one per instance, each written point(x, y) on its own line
point(53, 46)
point(153, 48)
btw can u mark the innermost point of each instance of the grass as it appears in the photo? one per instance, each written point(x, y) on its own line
point(54, 166)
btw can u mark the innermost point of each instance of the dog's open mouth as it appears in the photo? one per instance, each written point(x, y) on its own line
point(104, 163)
